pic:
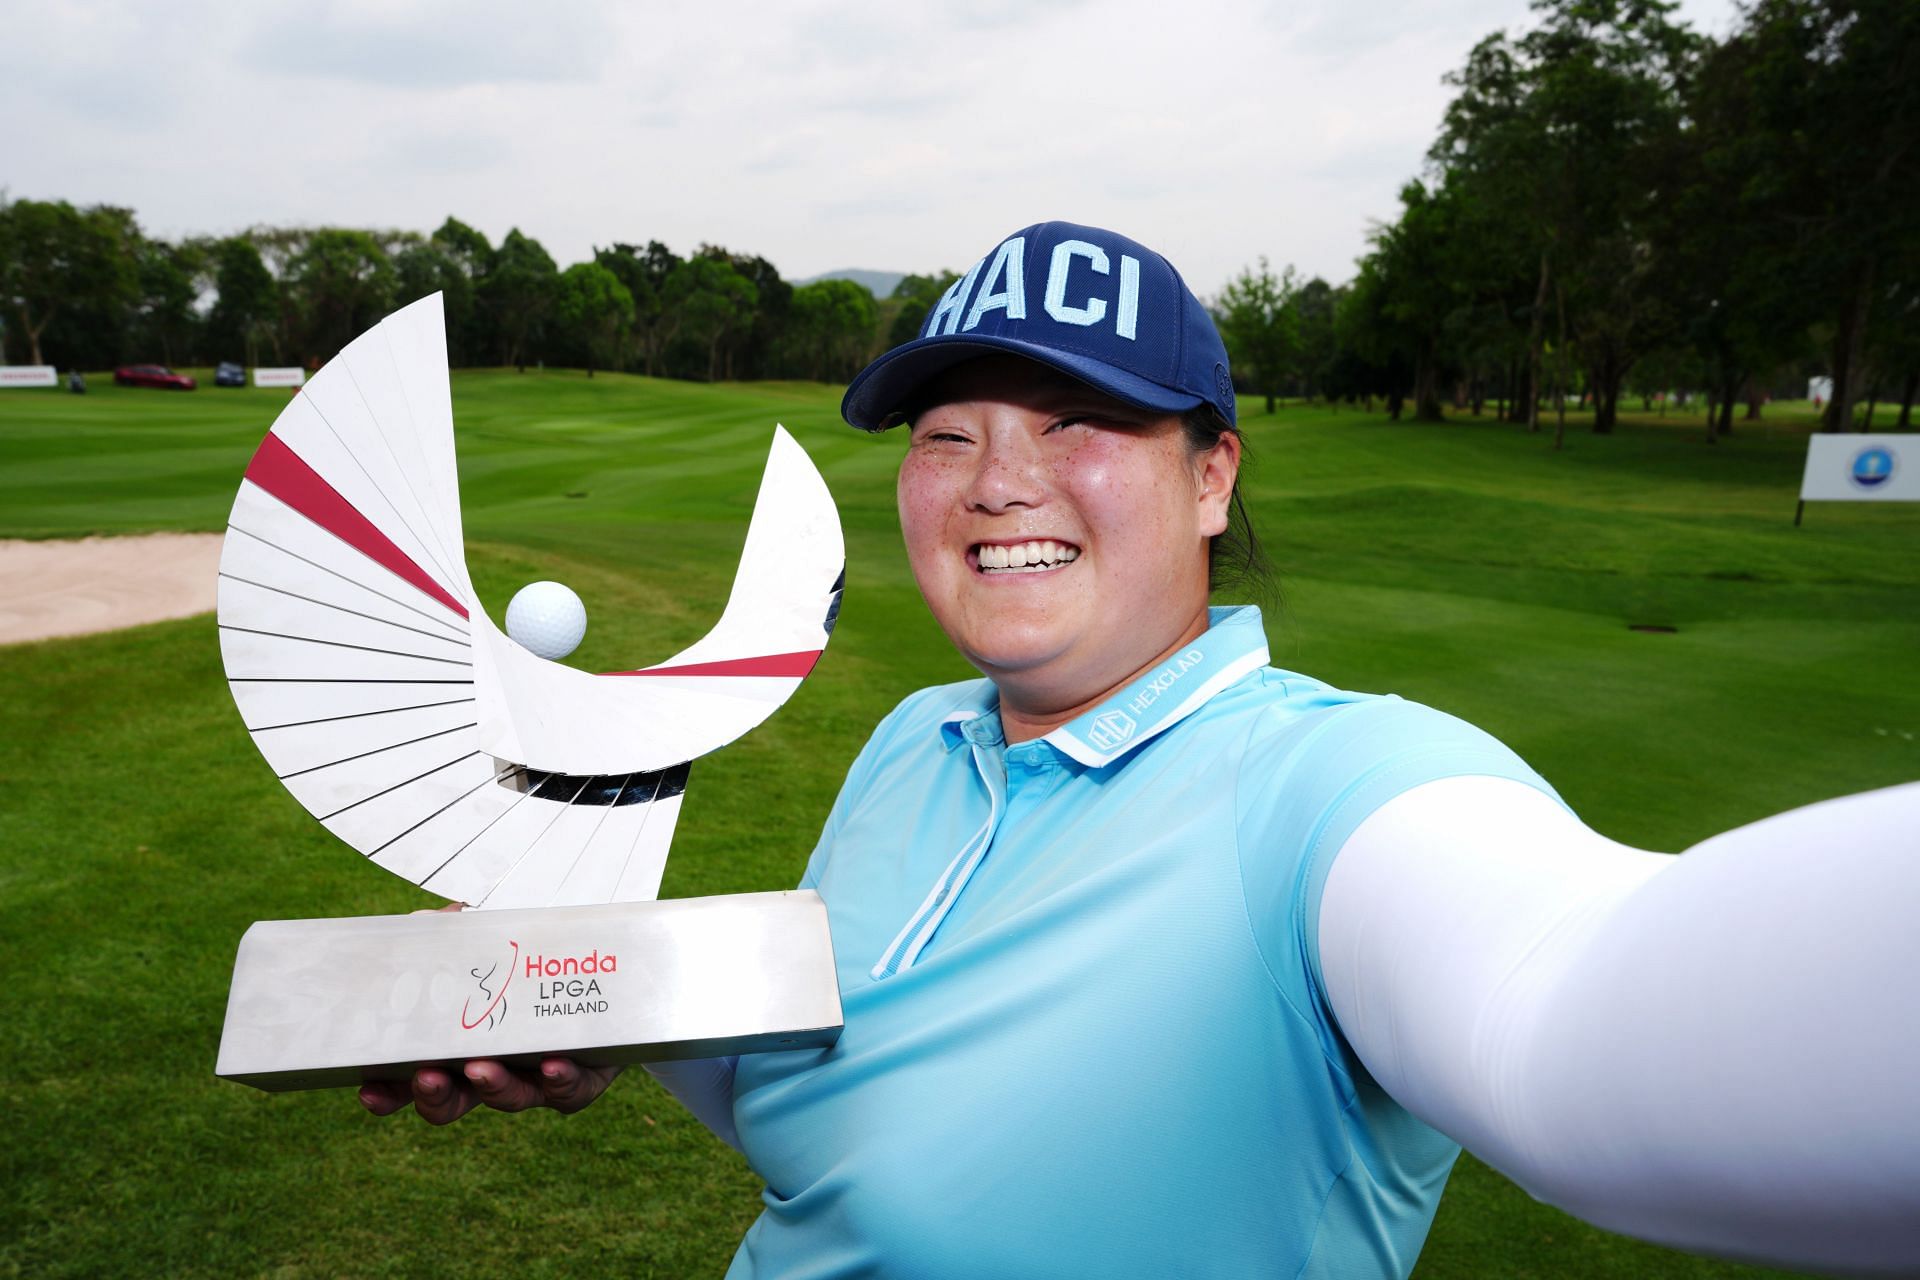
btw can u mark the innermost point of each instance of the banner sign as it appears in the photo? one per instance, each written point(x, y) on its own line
point(1851, 467)
point(294, 377)
point(28, 375)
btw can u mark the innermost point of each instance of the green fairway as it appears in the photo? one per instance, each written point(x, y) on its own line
point(1466, 565)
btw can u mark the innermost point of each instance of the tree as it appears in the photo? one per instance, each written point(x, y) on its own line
point(517, 293)
point(423, 269)
point(468, 336)
point(54, 257)
point(1415, 279)
point(710, 301)
point(1615, 322)
point(916, 297)
point(594, 309)
point(1318, 344)
point(645, 273)
point(1836, 102)
point(1374, 345)
point(751, 346)
point(1555, 128)
point(169, 286)
point(1893, 340)
point(830, 328)
point(341, 284)
point(1260, 327)
point(247, 299)
point(465, 246)
point(1724, 280)
point(1488, 150)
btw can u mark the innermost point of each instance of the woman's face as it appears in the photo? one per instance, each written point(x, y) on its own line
point(1058, 535)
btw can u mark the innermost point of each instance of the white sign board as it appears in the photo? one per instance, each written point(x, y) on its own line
point(1851, 467)
point(28, 375)
point(293, 377)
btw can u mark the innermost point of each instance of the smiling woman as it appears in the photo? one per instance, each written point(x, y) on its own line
point(1158, 961)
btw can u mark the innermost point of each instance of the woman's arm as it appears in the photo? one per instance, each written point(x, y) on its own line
point(704, 1086)
point(1719, 1051)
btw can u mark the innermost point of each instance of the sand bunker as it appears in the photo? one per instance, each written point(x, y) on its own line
point(71, 588)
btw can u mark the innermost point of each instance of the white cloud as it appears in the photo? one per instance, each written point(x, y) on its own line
point(821, 134)
point(426, 46)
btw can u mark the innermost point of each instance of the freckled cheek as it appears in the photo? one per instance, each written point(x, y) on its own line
point(918, 494)
point(925, 502)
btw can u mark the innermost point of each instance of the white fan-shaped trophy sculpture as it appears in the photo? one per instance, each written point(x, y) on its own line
point(406, 722)
point(412, 727)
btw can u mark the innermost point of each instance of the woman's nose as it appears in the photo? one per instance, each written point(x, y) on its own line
point(1009, 473)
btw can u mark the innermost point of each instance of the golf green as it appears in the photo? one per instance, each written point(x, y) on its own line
point(1468, 565)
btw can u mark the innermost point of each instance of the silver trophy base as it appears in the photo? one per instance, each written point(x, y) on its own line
point(320, 1003)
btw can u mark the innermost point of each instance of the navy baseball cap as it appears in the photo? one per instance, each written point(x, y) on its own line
point(1094, 305)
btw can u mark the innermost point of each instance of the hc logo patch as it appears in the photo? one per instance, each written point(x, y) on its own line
point(1110, 730)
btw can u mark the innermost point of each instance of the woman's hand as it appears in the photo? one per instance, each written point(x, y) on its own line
point(441, 1097)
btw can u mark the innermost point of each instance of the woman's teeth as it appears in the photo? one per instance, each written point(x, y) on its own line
point(1026, 557)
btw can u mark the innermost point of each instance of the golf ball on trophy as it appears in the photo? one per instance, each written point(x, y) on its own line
point(547, 619)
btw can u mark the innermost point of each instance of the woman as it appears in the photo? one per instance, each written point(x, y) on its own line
point(1159, 961)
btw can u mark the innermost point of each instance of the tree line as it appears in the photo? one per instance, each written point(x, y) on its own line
point(86, 288)
point(1616, 205)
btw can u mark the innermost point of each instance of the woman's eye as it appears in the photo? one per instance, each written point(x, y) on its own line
point(1095, 420)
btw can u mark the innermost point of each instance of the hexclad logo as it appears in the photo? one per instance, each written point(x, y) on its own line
point(1110, 729)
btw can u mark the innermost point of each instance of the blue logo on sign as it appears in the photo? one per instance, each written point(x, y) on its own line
point(1872, 467)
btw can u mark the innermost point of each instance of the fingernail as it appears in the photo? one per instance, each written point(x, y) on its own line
point(550, 1070)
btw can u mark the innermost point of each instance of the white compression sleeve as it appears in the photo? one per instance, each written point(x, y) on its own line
point(1719, 1051)
point(704, 1086)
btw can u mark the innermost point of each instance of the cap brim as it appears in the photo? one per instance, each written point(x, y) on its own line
point(874, 398)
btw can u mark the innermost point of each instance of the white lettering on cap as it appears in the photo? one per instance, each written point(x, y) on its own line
point(1056, 302)
point(1008, 262)
point(950, 303)
point(1129, 297)
point(1127, 316)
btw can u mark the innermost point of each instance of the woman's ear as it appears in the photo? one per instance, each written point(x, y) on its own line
point(1218, 469)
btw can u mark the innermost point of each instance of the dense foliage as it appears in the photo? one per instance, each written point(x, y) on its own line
point(86, 288)
point(1618, 205)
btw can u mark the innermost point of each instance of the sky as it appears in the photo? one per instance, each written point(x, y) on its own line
point(820, 134)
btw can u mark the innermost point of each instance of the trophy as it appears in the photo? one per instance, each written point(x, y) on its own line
point(541, 796)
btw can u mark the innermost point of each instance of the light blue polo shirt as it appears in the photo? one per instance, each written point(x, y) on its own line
point(1085, 1032)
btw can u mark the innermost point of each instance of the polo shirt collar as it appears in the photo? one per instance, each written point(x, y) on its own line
point(1234, 644)
point(977, 723)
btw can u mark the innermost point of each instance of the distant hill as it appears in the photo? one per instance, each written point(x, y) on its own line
point(879, 283)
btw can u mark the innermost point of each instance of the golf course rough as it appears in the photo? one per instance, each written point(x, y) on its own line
point(1465, 565)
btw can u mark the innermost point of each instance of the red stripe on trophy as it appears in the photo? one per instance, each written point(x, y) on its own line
point(285, 474)
point(795, 665)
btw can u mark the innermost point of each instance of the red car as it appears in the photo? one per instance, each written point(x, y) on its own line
point(152, 375)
